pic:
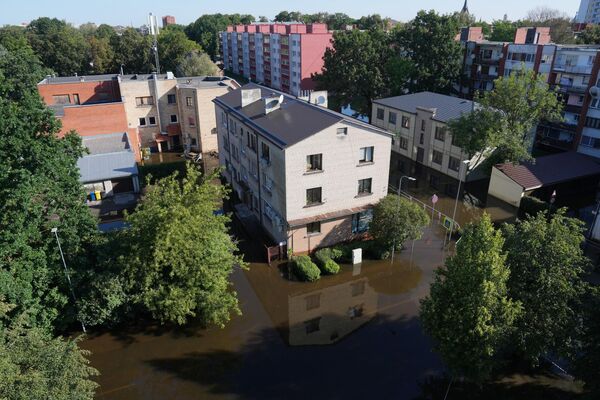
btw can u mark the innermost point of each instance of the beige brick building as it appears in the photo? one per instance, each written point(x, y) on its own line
point(308, 174)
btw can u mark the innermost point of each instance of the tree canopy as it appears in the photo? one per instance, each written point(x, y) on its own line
point(396, 220)
point(468, 312)
point(173, 47)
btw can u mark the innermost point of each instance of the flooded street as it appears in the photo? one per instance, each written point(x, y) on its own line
point(351, 336)
point(354, 335)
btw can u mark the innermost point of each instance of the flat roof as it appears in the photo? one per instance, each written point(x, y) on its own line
point(446, 107)
point(293, 122)
point(551, 170)
point(110, 157)
point(208, 80)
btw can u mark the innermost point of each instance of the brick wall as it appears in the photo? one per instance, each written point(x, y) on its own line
point(89, 92)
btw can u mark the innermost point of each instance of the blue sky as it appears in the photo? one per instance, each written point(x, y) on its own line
point(127, 12)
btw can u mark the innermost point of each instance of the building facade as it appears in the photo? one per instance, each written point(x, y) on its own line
point(158, 111)
point(589, 12)
point(422, 144)
point(168, 20)
point(282, 56)
point(309, 176)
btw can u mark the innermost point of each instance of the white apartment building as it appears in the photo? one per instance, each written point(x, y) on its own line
point(309, 175)
point(421, 138)
point(589, 12)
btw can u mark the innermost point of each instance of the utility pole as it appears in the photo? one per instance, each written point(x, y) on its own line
point(62, 256)
point(154, 31)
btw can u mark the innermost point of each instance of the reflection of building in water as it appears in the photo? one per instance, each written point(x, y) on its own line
point(326, 315)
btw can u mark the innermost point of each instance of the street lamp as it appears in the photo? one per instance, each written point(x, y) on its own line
point(466, 164)
point(410, 178)
point(62, 256)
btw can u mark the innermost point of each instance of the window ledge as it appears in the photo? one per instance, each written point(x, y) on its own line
point(360, 195)
point(315, 172)
point(310, 235)
point(313, 205)
point(364, 164)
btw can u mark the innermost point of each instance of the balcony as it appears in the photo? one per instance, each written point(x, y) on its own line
point(575, 109)
point(572, 89)
point(487, 61)
point(573, 69)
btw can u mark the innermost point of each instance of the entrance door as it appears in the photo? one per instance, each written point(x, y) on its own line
point(420, 154)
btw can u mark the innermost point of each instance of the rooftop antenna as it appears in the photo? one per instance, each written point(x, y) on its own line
point(153, 25)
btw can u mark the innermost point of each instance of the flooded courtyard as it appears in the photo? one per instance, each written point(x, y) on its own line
point(355, 335)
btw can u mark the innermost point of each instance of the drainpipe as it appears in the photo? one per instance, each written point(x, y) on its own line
point(156, 101)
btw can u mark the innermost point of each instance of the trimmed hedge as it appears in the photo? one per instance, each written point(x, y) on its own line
point(304, 269)
point(330, 267)
point(325, 259)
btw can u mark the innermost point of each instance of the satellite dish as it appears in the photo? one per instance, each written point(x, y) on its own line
point(321, 100)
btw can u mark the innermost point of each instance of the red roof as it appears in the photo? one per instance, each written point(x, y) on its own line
point(551, 170)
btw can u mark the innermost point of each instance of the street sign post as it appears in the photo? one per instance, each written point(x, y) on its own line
point(434, 199)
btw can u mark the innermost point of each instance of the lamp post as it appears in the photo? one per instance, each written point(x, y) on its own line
point(62, 256)
point(410, 178)
point(466, 164)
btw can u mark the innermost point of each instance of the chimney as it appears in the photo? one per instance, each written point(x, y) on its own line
point(249, 96)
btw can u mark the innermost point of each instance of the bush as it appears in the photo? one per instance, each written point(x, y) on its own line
point(304, 269)
point(321, 256)
point(532, 206)
point(330, 267)
point(160, 171)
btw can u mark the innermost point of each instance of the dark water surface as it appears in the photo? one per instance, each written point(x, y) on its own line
point(351, 336)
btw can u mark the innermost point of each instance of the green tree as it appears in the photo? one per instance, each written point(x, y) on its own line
point(33, 365)
point(205, 31)
point(263, 19)
point(286, 16)
point(338, 21)
point(590, 35)
point(525, 99)
point(559, 23)
point(13, 37)
point(196, 63)
point(353, 71)
point(546, 262)
point(102, 55)
point(181, 255)
point(588, 358)
point(134, 51)
point(396, 220)
point(173, 47)
point(39, 190)
point(374, 21)
point(428, 41)
point(59, 45)
point(468, 312)
point(503, 31)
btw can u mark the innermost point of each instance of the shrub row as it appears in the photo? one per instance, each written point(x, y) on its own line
point(304, 269)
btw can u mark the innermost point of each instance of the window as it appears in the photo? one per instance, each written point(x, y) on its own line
point(62, 99)
point(313, 301)
point(361, 221)
point(589, 141)
point(252, 141)
point(313, 196)
point(358, 288)
point(403, 143)
point(421, 139)
point(454, 164)
point(364, 186)
point(314, 162)
point(76, 99)
point(171, 99)
point(314, 228)
point(593, 123)
point(406, 122)
point(144, 101)
point(380, 113)
point(422, 124)
point(265, 152)
point(392, 118)
point(366, 155)
point(312, 325)
point(189, 101)
point(440, 133)
point(173, 118)
point(342, 131)
point(437, 157)
point(191, 121)
point(151, 120)
point(142, 121)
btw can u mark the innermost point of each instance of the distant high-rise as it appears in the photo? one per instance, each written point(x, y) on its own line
point(589, 12)
point(168, 20)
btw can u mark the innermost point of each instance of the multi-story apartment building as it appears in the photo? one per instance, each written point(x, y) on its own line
point(309, 175)
point(168, 20)
point(158, 111)
point(422, 144)
point(282, 55)
point(589, 12)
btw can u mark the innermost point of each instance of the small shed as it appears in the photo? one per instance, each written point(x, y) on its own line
point(510, 182)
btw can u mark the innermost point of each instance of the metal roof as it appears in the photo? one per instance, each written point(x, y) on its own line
point(293, 122)
point(551, 170)
point(447, 107)
point(110, 157)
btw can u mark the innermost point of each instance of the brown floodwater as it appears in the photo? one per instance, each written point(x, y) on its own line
point(351, 336)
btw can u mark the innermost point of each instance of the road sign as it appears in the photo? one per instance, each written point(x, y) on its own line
point(448, 224)
point(434, 198)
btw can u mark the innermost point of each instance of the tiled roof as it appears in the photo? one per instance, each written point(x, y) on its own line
point(447, 107)
point(551, 170)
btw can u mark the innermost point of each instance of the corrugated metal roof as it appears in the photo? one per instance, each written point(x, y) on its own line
point(110, 157)
point(551, 170)
point(447, 107)
point(295, 121)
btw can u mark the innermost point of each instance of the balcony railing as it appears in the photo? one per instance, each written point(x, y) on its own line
point(573, 69)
